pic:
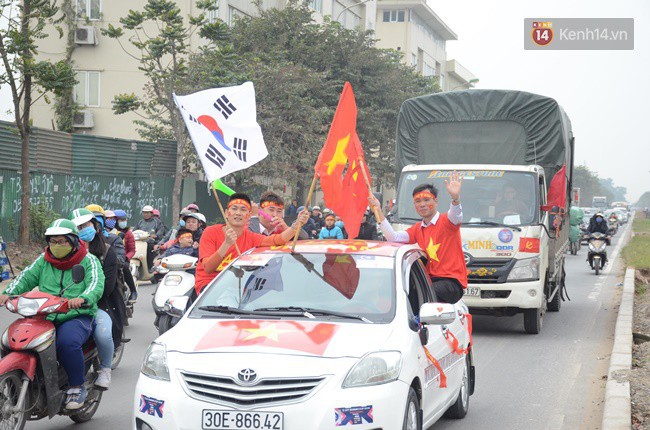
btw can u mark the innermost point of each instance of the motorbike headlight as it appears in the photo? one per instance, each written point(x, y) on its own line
point(592, 247)
point(601, 247)
point(10, 307)
point(154, 364)
point(525, 269)
point(374, 369)
point(173, 280)
point(50, 309)
point(5, 338)
point(29, 307)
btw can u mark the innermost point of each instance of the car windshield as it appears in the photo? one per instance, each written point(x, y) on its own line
point(311, 285)
point(488, 196)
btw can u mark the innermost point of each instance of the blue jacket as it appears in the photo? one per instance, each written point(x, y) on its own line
point(176, 249)
point(333, 233)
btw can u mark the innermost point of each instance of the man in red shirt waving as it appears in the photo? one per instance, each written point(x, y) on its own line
point(217, 248)
point(437, 234)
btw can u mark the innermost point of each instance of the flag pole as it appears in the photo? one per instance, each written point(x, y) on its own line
point(298, 224)
point(223, 213)
point(362, 163)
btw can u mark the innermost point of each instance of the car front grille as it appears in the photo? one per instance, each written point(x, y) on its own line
point(225, 390)
point(489, 271)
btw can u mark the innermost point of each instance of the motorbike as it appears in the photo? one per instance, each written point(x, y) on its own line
point(597, 256)
point(32, 383)
point(177, 282)
point(612, 223)
point(138, 265)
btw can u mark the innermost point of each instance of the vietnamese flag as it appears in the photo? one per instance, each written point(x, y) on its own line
point(341, 272)
point(339, 165)
point(529, 244)
point(557, 191)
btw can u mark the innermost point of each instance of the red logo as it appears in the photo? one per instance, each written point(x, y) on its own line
point(310, 337)
point(542, 33)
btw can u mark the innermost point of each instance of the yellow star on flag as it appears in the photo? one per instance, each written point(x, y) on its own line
point(432, 250)
point(339, 158)
point(343, 259)
point(226, 261)
point(270, 332)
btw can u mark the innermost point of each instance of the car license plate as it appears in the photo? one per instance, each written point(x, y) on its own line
point(236, 420)
point(473, 291)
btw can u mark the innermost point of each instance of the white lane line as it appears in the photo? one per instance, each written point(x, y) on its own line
point(607, 270)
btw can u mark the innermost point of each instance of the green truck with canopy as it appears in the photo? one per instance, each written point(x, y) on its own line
point(508, 145)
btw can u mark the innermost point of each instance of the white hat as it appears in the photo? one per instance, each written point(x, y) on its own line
point(327, 211)
point(147, 208)
point(315, 208)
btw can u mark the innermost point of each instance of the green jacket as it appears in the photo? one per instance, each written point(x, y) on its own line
point(51, 280)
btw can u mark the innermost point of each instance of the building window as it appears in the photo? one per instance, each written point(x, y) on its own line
point(396, 15)
point(442, 81)
point(213, 15)
point(414, 59)
point(316, 5)
point(428, 70)
point(86, 92)
point(91, 9)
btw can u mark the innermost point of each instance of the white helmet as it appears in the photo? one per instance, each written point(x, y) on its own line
point(147, 208)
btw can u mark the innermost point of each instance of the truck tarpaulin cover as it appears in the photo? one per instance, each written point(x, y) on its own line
point(484, 127)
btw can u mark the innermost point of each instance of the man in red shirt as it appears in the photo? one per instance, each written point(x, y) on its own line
point(437, 234)
point(217, 248)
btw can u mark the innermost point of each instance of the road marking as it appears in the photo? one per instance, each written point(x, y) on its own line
point(607, 270)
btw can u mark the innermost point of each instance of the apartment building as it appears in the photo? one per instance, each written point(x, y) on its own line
point(413, 28)
point(104, 69)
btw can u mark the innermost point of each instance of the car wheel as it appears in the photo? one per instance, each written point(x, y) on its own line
point(459, 409)
point(533, 320)
point(412, 412)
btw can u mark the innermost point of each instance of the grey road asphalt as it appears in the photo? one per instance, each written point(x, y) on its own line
point(553, 380)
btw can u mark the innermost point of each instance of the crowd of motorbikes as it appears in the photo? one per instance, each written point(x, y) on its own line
point(596, 242)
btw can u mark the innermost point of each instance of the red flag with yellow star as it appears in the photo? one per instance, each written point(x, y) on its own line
point(341, 272)
point(339, 165)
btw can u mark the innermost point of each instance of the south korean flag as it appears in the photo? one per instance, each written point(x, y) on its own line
point(222, 123)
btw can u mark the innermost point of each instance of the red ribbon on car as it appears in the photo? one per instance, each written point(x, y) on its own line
point(453, 340)
point(469, 327)
point(432, 359)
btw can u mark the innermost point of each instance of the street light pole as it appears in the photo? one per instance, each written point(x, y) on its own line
point(350, 7)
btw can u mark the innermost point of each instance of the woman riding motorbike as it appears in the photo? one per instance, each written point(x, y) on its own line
point(52, 273)
point(125, 233)
point(111, 313)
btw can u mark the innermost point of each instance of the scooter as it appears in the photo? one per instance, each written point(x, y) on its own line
point(597, 256)
point(612, 223)
point(177, 282)
point(138, 265)
point(32, 383)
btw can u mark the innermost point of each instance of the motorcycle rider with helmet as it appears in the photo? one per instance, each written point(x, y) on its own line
point(125, 233)
point(111, 313)
point(52, 273)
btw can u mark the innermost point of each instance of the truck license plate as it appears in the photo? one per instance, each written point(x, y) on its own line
point(235, 420)
point(473, 291)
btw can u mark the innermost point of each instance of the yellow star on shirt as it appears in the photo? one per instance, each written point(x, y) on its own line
point(270, 332)
point(226, 261)
point(432, 250)
point(339, 158)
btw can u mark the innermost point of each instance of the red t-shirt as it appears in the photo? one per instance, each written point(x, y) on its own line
point(444, 247)
point(211, 240)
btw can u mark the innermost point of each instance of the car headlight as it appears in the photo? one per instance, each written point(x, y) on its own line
point(374, 369)
point(154, 364)
point(525, 269)
point(173, 280)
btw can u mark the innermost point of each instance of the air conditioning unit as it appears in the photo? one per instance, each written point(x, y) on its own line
point(83, 119)
point(85, 35)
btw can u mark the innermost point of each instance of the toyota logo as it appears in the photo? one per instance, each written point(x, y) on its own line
point(468, 258)
point(247, 376)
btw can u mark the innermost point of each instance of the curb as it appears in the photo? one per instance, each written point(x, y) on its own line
point(618, 409)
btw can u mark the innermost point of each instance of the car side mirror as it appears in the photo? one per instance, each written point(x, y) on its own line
point(176, 305)
point(78, 273)
point(437, 313)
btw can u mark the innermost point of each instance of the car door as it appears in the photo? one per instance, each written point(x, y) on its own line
point(419, 291)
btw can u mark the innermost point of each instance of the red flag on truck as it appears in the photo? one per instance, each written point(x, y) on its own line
point(557, 191)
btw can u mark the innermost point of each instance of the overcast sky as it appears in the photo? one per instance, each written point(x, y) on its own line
point(605, 93)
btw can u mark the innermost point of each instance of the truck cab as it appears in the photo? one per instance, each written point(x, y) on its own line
point(510, 258)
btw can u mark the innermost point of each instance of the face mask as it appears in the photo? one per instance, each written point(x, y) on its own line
point(87, 234)
point(122, 224)
point(60, 251)
point(599, 219)
point(110, 223)
point(181, 223)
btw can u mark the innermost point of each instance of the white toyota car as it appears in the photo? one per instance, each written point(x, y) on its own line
point(335, 334)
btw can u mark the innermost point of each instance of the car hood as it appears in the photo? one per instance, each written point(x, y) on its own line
point(287, 337)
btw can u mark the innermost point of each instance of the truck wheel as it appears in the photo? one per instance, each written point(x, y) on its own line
point(461, 405)
point(555, 304)
point(533, 320)
point(412, 412)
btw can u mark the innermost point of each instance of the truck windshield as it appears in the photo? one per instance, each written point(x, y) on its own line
point(487, 196)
